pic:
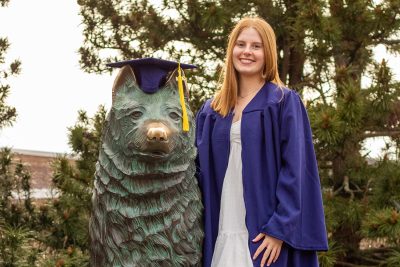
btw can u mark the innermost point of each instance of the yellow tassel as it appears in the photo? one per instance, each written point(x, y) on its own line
point(185, 120)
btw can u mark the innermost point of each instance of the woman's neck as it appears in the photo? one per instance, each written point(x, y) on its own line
point(249, 85)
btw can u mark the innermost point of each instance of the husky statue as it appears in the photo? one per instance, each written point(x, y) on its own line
point(146, 204)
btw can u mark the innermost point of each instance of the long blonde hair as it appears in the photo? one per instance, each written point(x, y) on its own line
point(225, 99)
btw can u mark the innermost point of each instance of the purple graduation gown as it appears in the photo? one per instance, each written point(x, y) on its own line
point(281, 185)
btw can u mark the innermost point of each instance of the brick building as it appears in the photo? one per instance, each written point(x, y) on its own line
point(39, 165)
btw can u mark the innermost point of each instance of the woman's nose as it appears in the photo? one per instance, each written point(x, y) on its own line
point(247, 50)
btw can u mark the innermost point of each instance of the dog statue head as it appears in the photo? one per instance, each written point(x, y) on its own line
point(143, 129)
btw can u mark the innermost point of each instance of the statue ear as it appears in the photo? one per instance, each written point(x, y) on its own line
point(125, 75)
point(172, 81)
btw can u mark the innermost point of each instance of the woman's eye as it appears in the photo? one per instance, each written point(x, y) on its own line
point(240, 44)
point(175, 116)
point(136, 114)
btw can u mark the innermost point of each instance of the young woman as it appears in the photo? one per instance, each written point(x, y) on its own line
point(257, 167)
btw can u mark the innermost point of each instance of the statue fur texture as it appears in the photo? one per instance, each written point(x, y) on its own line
point(147, 208)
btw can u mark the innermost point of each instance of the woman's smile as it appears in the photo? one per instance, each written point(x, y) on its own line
point(246, 60)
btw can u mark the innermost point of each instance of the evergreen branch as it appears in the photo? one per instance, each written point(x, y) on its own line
point(388, 42)
point(381, 133)
point(325, 166)
point(93, 40)
point(338, 190)
point(347, 264)
point(379, 250)
point(322, 94)
point(346, 187)
point(369, 256)
point(394, 258)
point(377, 38)
point(316, 88)
point(363, 258)
point(358, 188)
point(366, 188)
point(396, 204)
point(180, 12)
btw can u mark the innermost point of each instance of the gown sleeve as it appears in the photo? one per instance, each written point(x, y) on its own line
point(298, 219)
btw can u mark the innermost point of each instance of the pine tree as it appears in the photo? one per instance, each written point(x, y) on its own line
point(7, 113)
point(16, 210)
point(73, 179)
point(17, 214)
point(325, 52)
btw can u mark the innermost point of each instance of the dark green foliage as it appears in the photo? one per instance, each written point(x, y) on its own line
point(386, 185)
point(394, 259)
point(7, 113)
point(6, 182)
point(383, 223)
point(8, 174)
point(325, 50)
point(329, 258)
point(15, 242)
point(73, 179)
point(17, 215)
point(71, 257)
point(15, 204)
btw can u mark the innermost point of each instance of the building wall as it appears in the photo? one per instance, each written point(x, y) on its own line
point(39, 165)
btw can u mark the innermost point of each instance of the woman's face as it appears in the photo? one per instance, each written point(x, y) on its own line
point(248, 53)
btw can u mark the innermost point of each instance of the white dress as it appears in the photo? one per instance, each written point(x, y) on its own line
point(231, 247)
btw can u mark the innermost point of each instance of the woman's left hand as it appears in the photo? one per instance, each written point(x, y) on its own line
point(273, 248)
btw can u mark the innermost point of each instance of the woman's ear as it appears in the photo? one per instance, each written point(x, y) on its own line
point(125, 76)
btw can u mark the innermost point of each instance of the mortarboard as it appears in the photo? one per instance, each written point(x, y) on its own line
point(151, 74)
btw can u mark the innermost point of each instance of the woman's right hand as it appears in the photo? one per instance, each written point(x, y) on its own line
point(272, 248)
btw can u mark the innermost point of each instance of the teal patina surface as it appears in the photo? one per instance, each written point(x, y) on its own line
point(146, 202)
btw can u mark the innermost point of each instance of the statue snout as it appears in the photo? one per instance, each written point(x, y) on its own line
point(157, 132)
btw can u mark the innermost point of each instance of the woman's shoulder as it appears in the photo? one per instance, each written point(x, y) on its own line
point(271, 94)
point(279, 94)
point(279, 91)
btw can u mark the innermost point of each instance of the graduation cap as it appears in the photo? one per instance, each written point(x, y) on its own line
point(152, 73)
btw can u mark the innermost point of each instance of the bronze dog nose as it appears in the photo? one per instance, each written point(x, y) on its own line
point(158, 134)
